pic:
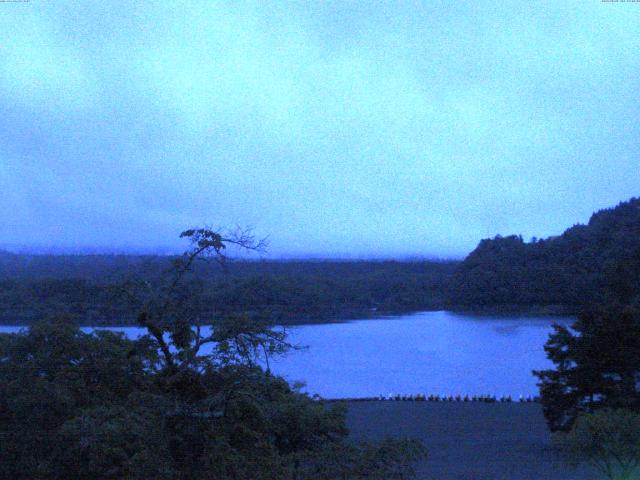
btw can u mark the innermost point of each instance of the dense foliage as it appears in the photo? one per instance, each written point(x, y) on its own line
point(608, 440)
point(569, 272)
point(597, 365)
point(277, 292)
point(597, 360)
point(99, 406)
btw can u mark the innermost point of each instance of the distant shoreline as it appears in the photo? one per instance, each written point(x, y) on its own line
point(510, 311)
point(515, 309)
point(422, 398)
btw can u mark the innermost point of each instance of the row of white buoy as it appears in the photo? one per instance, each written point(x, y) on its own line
point(450, 398)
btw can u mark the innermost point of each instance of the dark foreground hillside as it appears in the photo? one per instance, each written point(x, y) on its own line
point(563, 274)
point(468, 441)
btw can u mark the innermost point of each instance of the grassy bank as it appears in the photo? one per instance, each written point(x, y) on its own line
point(468, 441)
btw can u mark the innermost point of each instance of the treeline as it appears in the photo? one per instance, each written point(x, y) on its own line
point(89, 287)
point(566, 273)
point(563, 274)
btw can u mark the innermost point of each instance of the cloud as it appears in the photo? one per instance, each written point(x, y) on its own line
point(398, 130)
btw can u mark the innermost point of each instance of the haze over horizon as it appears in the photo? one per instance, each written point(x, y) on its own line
point(338, 130)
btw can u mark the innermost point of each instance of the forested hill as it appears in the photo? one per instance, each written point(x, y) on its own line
point(563, 273)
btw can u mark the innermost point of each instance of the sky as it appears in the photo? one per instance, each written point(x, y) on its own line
point(335, 128)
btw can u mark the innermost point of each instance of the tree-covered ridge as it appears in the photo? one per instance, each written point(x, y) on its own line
point(570, 271)
point(282, 292)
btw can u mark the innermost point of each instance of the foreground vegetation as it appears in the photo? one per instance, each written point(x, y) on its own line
point(607, 440)
point(80, 405)
point(100, 406)
point(591, 398)
point(597, 365)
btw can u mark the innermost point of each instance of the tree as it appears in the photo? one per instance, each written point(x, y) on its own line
point(167, 315)
point(100, 406)
point(568, 272)
point(609, 440)
point(50, 375)
point(597, 364)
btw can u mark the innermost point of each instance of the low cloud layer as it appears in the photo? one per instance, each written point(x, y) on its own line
point(336, 129)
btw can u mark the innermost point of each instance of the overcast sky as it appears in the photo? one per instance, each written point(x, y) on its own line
point(336, 128)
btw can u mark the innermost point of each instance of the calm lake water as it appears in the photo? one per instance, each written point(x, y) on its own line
point(430, 352)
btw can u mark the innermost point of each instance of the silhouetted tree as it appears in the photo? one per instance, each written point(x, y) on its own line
point(100, 406)
point(597, 364)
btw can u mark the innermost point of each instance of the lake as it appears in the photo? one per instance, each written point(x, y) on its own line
point(441, 353)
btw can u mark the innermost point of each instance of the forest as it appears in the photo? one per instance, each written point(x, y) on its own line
point(89, 287)
point(564, 274)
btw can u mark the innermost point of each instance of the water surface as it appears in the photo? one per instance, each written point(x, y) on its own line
point(430, 352)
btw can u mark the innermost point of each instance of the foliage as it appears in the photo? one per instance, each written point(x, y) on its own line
point(100, 406)
point(609, 440)
point(363, 461)
point(571, 271)
point(597, 364)
point(51, 374)
point(594, 268)
point(276, 292)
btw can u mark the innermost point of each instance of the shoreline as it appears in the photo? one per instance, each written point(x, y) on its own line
point(435, 398)
point(517, 310)
point(524, 313)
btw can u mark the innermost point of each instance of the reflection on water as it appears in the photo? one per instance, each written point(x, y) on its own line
point(429, 352)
